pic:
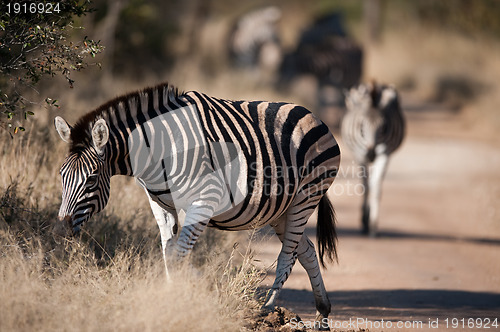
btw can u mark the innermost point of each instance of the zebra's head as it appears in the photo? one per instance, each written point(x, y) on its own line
point(85, 173)
point(371, 96)
point(359, 98)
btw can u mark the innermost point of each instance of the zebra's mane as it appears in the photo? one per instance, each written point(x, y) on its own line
point(81, 133)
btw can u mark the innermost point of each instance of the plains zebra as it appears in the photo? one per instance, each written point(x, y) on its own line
point(232, 165)
point(325, 51)
point(372, 128)
point(328, 55)
point(254, 39)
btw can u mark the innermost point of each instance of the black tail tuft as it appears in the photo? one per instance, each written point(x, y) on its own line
point(325, 231)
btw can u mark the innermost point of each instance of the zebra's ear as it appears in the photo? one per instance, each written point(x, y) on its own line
point(63, 129)
point(100, 134)
point(348, 98)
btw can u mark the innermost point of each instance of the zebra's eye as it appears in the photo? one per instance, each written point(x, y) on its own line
point(91, 180)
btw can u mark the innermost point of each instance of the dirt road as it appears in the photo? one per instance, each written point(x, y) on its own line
point(438, 253)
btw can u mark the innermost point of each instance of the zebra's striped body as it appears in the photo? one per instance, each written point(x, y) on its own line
point(232, 165)
point(372, 128)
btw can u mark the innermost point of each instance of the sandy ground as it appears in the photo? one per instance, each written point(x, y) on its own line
point(438, 253)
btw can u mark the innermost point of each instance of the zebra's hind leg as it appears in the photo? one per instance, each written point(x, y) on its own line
point(306, 254)
point(309, 260)
point(377, 174)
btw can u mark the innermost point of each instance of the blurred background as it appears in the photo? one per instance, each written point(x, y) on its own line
point(437, 51)
point(437, 253)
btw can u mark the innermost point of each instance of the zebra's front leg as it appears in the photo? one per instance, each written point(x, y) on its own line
point(375, 189)
point(365, 210)
point(168, 224)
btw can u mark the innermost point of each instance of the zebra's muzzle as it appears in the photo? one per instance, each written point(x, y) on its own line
point(63, 226)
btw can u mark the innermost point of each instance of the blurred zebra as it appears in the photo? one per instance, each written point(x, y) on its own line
point(333, 59)
point(232, 165)
point(254, 40)
point(325, 51)
point(372, 128)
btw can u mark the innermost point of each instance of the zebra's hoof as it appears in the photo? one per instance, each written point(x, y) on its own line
point(373, 232)
point(321, 323)
point(266, 310)
point(369, 231)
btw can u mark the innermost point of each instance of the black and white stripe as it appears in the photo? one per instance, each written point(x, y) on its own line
point(372, 128)
point(232, 165)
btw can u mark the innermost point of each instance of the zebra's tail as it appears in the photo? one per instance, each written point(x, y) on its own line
point(325, 231)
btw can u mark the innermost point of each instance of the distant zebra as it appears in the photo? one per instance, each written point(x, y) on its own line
point(372, 128)
point(233, 165)
point(254, 40)
point(325, 51)
point(328, 55)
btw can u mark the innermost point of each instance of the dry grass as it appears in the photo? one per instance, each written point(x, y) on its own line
point(68, 289)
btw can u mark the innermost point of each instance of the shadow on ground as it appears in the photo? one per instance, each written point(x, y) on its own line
point(401, 235)
point(400, 304)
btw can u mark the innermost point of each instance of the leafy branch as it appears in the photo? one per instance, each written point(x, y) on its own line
point(33, 46)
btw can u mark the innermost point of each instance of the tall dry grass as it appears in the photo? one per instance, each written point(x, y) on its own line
point(70, 289)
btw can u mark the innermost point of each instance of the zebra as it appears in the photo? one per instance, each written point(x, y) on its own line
point(232, 165)
point(327, 52)
point(373, 128)
point(254, 40)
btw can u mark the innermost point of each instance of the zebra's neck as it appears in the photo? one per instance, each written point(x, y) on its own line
point(129, 114)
